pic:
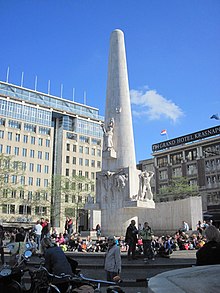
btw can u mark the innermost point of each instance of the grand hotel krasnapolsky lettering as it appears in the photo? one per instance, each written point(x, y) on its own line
point(186, 138)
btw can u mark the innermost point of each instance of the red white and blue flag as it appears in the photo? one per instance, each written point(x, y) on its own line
point(163, 132)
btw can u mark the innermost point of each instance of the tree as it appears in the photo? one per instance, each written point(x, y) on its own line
point(69, 195)
point(178, 188)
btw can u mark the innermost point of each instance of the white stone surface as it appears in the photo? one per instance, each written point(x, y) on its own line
point(204, 279)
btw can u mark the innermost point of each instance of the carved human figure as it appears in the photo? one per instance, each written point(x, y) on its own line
point(108, 134)
point(121, 181)
point(145, 192)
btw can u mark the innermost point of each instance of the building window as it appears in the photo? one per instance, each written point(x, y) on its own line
point(32, 140)
point(80, 173)
point(22, 180)
point(74, 148)
point(71, 136)
point(46, 183)
point(29, 127)
point(47, 143)
point(14, 179)
point(31, 153)
point(25, 139)
point(38, 181)
point(39, 155)
point(67, 172)
point(8, 209)
point(162, 162)
point(92, 175)
point(98, 152)
point(1, 148)
point(44, 130)
point(24, 152)
point(67, 159)
point(17, 137)
point(177, 172)
point(84, 139)
point(176, 158)
point(87, 150)
point(81, 149)
point(46, 169)
point(73, 172)
point(163, 174)
point(40, 141)
point(16, 151)
point(191, 155)
point(98, 164)
point(9, 135)
point(81, 161)
point(92, 163)
point(74, 160)
point(66, 197)
point(31, 167)
point(30, 181)
point(14, 124)
point(93, 152)
point(1, 134)
point(30, 195)
point(47, 156)
point(38, 168)
point(23, 166)
point(87, 174)
point(21, 194)
point(191, 169)
point(87, 162)
point(13, 194)
point(8, 150)
point(68, 147)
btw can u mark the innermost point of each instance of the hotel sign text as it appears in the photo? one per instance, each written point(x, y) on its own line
point(186, 138)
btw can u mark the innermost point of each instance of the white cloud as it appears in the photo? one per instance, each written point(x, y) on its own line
point(151, 104)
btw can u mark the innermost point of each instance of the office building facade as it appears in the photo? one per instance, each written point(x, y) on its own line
point(195, 156)
point(58, 144)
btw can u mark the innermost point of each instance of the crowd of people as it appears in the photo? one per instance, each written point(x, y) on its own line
point(139, 241)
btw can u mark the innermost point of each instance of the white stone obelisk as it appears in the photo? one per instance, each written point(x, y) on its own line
point(121, 189)
point(118, 106)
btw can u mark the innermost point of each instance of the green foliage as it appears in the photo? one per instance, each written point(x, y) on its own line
point(179, 187)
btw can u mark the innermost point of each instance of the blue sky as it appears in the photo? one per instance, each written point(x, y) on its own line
point(173, 56)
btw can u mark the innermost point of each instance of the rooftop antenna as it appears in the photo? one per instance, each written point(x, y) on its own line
point(35, 85)
point(7, 75)
point(84, 97)
point(22, 78)
point(73, 94)
point(61, 90)
point(48, 88)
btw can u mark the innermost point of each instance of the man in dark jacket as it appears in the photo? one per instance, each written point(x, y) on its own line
point(131, 239)
point(209, 253)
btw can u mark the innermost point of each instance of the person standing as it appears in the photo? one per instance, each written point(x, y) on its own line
point(112, 259)
point(69, 226)
point(37, 230)
point(146, 234)
point(131, 239)
point(98, 231)
point(46, 229)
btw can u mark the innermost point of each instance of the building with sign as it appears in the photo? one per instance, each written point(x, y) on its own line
point(52, 138)
point(195, 156)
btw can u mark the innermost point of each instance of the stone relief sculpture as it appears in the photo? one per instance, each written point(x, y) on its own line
point(108, 135)
point(145, 192)
point(114, 180)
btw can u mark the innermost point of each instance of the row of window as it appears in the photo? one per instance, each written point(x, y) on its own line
point(83, 139)
point(9, 150)
point(84, 150)
point(25, 139)
point(23, 180)
point(83, 162)
point(30, 195)
point(23, 210)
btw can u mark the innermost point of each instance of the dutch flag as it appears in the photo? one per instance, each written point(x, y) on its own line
point(163, 132)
